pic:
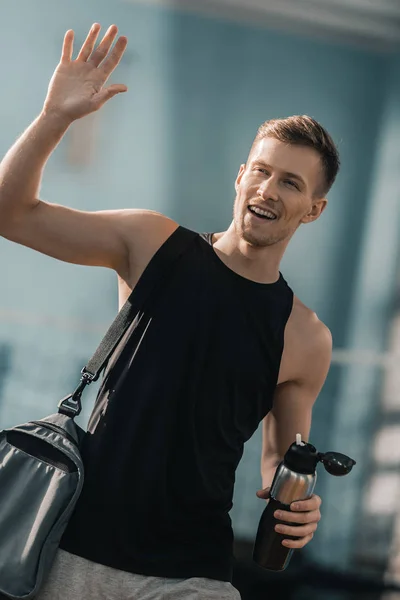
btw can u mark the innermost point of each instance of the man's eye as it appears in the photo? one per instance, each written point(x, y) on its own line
point(262, 170)
point(292, 183)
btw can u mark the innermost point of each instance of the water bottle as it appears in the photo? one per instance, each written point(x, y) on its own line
point(294, 479)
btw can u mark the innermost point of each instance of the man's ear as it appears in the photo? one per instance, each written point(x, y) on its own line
point(239, 176)
point(316, 210)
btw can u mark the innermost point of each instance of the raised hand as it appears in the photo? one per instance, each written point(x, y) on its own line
point(77, 86)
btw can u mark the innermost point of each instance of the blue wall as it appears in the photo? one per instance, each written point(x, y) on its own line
point(356, 414)
point(199, 88)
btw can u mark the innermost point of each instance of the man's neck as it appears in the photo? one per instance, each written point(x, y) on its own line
point(255, 263)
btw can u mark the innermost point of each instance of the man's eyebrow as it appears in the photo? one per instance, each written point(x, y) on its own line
point(286, 173)
point(295, 176)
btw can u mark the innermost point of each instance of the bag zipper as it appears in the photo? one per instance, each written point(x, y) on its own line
point(57, 429)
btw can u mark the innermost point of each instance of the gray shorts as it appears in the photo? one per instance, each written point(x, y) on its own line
point(75, 578)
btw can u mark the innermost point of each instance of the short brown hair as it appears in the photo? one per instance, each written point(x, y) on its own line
point(302, 130)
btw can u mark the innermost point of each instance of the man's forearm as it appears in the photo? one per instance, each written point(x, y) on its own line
point(268, 468)
point(22, 167)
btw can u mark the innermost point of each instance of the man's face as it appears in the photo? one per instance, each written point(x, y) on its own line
point(275, 192)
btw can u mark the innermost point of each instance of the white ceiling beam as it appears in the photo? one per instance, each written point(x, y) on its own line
point(375, 23)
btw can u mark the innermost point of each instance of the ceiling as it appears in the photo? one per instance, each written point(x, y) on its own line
point(371, 23)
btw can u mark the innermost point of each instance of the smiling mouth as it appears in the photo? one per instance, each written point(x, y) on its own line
point(267, 215)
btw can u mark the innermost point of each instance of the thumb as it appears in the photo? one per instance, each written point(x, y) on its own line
point(109, 92)
point(263, 494)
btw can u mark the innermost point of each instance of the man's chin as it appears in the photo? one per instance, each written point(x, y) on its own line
point(254, 236)
point(256, 240)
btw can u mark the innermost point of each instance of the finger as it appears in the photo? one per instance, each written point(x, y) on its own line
point(312, 503)
point(103, 48)
point(68, 45)
point(298, 543)
point(89, 43)
point(313, 516)
point(114, 58)
point(106, 94)
point(299, 531)
point(264, 494)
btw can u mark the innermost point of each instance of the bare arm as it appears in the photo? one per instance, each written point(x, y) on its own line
point(306, 359)
point(294, 399)
point(22, 167)
point(76, 89)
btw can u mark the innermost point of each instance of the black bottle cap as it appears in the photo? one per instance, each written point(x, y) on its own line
point(336, 463)
point(302, 458)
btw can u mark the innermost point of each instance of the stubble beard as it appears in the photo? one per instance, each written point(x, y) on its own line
point(257, 239)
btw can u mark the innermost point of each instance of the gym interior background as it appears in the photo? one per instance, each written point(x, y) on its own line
point(202, 76)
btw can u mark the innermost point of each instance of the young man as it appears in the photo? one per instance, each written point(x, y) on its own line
point(225, 346)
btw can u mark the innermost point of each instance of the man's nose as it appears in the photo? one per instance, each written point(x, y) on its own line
point(268, 190)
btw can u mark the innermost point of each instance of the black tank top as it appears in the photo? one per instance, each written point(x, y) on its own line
point(186, 388)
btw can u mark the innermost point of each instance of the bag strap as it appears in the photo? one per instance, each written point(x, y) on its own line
point(150, 281)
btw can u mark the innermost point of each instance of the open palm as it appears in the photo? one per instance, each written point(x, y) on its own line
point(77, 86)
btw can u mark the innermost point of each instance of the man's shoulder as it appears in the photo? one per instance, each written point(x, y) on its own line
point(308, 347)
point(144, 232)
point(141, 219)
point(307, 331)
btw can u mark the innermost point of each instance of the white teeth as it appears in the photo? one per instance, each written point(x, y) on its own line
point(263, 213)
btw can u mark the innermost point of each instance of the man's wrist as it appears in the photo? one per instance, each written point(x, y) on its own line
point(54, 121)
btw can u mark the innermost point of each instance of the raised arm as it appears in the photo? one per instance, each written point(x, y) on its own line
point(76, 90)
